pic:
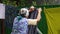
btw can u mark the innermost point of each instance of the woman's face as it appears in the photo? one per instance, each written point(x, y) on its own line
point(31, 9)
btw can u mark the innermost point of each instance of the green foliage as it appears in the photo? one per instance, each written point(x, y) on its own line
point(20, 3)
point(23, 3)
point(34, 3)
point(8, 2)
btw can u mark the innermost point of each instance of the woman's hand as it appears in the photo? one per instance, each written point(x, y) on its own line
point(39, 14)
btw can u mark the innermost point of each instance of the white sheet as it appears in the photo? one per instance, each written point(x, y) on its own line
point(2, 11)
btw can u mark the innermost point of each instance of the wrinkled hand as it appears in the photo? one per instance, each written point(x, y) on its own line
point(39, 9)
point(39, 14)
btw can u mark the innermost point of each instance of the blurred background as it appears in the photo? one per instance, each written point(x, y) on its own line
point(30, 2)
point(13, 6)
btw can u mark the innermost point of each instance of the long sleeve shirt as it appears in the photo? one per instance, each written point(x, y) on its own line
point(20, 27)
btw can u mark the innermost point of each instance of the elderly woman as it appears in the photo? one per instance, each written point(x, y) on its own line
point(34, 17)
point(20, 25)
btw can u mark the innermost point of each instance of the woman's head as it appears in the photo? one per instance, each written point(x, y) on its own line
point(31, 8)
point(24, 12)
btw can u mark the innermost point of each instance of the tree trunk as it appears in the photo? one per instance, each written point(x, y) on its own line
point(2, 26)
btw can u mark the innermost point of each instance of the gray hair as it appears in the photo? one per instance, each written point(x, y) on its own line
point(24, 11)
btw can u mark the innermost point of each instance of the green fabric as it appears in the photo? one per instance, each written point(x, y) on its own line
point(53, 20)
point(42, 25)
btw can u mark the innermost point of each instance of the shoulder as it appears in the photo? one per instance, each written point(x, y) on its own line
point(15, 18)
point(24, 19)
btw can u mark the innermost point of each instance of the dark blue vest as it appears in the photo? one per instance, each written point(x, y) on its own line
point(33, 14)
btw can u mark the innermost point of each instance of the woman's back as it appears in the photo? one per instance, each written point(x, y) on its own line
point(20, 26)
